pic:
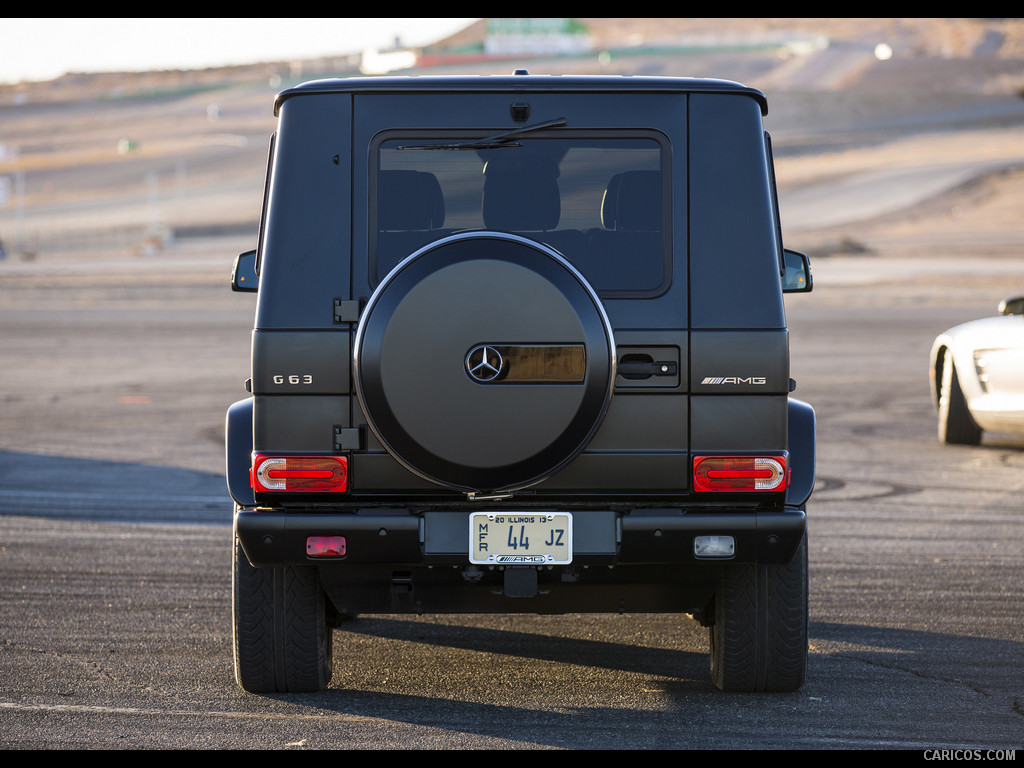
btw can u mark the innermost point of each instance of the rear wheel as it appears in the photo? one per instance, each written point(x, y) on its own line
point(759, 635)
point(282, 640)
point(956, 425)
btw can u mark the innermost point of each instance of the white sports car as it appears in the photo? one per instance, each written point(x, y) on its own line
point(977, 376)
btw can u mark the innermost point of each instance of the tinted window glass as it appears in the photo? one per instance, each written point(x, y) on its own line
point(597, 201)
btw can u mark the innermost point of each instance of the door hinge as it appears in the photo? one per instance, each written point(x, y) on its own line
point(347, 310)
point(348, 438)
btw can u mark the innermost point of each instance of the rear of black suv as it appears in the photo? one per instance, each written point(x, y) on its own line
point(520, 346)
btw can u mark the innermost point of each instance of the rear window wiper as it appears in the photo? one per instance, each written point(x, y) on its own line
point(492, 142)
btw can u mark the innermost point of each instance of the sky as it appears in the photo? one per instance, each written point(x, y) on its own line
point(42, 49)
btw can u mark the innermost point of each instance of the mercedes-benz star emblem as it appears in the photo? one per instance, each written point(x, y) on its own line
point(484, 363)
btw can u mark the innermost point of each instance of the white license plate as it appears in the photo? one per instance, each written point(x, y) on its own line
point(520, 538)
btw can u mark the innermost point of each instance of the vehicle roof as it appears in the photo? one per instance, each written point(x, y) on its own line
point(521, 83)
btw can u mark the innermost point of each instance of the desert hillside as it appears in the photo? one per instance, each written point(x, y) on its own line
point(119, 164)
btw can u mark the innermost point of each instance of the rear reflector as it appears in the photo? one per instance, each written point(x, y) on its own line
point(307, 474)
point(325, 546)
point(739, 474)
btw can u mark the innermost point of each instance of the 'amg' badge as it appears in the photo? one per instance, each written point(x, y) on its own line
point(734, 380)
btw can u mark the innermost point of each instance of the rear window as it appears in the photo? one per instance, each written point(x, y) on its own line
point(599, 200)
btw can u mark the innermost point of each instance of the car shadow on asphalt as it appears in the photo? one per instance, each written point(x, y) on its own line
point(65, 487)
point(445, 665)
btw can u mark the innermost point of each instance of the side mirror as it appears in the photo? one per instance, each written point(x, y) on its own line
point(1012, 306)
point(243, 276)
point(796, 278)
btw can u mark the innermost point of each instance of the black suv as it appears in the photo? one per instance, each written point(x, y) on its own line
point(520, 346)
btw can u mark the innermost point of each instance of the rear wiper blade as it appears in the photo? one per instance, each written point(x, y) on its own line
point(492, 142)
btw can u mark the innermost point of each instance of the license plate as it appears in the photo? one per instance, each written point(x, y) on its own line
point(520, 538)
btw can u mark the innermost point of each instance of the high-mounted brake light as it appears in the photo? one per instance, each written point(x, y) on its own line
point(307, 474)
point(739, 474)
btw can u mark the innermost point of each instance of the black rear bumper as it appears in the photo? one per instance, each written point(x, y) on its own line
point(399, 537)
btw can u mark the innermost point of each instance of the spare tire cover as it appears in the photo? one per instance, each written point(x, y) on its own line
point(484, 362)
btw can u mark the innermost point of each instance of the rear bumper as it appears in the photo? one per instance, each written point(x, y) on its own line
point(402, 538)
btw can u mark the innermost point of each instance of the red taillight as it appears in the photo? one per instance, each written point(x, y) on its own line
point(739, 474)
point(308, 474)
point(326, 546)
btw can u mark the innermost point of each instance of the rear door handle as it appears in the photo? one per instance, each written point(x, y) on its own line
point(643, 368)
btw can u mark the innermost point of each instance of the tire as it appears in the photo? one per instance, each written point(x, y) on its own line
point(516, 336)
point(282, 642)
point(759, 635)
point(956, 425)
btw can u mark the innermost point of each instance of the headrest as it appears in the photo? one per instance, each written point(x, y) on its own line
point(633, 201)
point(521, 196)
point(409, 200)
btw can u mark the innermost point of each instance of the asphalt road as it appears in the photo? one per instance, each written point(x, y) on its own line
point(115, 628)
